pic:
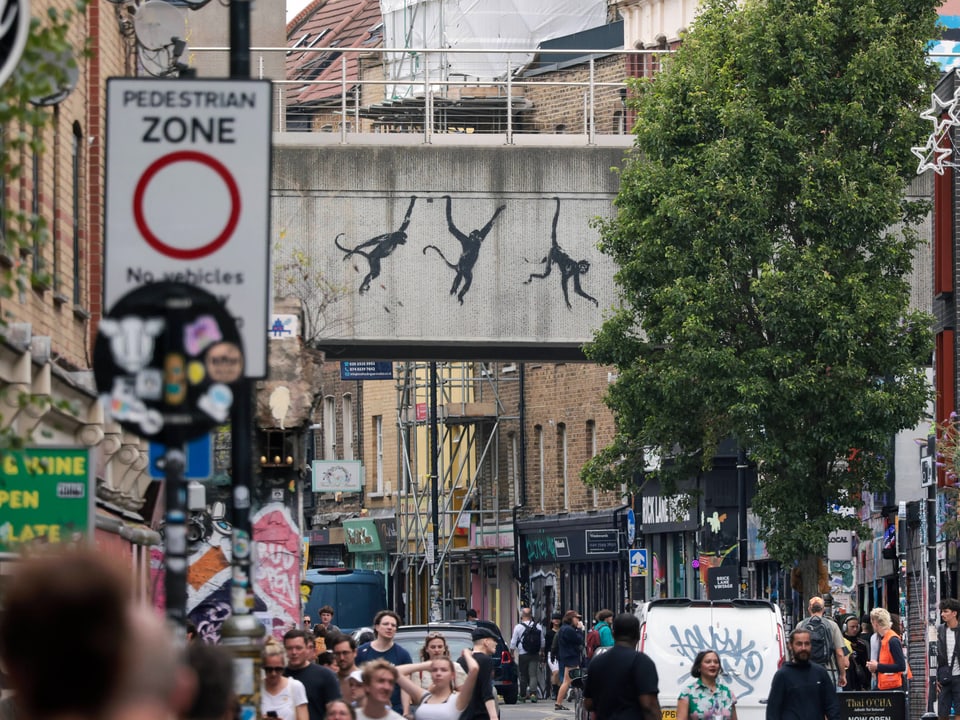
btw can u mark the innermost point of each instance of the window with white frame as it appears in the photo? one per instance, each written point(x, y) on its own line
point(540, 469)
point(378, 434)
point(347, 426)
point(515, 467)
point(592, 452)
point(562, 447)
point(329, 428)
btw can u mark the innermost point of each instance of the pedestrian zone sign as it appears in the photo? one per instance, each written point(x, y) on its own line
point(188, 195)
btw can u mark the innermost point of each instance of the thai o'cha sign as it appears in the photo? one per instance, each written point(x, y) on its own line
point(46, 497)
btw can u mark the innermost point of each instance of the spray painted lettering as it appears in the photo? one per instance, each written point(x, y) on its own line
point(278, 565)
point(742, 662)
point(541, 548)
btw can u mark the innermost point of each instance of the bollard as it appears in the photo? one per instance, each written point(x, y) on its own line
point(243, 636)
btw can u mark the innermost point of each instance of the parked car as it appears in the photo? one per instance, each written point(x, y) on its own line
point(747, 634)
point(457, 634)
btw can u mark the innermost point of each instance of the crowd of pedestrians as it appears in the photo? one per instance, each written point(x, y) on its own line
point(123, 663)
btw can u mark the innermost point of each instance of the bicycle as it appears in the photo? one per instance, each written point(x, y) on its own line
point(578, 679)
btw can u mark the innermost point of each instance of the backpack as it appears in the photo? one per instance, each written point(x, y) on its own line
point(530, 639)
point(593, 642)
point(821, 645)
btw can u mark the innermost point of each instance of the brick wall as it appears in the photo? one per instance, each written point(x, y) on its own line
point(558, 396)
point(560, 105)
point(74, 128)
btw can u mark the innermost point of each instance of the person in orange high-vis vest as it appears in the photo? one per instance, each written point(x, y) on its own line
point(890, 663)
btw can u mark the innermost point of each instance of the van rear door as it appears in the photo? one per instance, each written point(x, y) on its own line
point(747, 634)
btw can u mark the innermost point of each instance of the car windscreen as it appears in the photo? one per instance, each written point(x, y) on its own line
point(413, 643)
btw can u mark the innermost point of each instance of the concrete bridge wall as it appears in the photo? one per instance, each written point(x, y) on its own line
point(424, 276)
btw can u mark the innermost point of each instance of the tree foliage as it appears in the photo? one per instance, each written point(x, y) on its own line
point(23, 126)
point(296, 275)
point(764, 294)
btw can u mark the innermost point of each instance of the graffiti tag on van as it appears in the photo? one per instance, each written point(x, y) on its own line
point(742, 662)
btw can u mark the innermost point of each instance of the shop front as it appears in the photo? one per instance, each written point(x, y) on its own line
point(577, 561)
point(668, 524)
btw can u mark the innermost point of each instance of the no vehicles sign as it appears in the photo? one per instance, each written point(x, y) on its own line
point(188, 193)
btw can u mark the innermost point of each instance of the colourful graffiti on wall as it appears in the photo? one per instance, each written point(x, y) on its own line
point(277, 571)
point(277, 574)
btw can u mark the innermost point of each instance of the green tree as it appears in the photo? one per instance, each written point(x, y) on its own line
point(22, 125)
point(764, 291)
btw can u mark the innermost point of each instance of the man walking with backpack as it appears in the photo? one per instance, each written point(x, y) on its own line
point(527, 643)
point(826, 642)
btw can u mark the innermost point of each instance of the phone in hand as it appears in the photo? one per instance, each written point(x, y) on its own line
point(272, 714)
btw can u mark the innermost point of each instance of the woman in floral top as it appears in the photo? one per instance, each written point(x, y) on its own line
point(706, 698)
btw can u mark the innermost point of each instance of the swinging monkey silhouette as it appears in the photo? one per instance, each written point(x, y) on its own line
point(469, 251)
point(380, 246)
point(569, 268)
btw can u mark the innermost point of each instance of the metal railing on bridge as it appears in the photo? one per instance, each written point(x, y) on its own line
point(506, 96)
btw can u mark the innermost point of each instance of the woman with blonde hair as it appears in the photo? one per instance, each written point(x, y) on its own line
point(280, 697)
point(442, 701)
point(891, 663)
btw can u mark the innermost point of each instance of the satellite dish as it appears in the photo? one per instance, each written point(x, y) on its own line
point(14, 28)
point(157, 22)
point(155, 63)
point(60, 68)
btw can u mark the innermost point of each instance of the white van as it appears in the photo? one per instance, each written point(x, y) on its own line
point(747, 634)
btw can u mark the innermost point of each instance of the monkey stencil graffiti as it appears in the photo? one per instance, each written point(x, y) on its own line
point(469, 251)
point(424, 261)
point(378, 248)
point(568, 267)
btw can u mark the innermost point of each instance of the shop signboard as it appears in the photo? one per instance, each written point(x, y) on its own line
point(46, 497)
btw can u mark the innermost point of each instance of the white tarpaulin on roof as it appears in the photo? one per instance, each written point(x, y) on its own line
point(495, 26)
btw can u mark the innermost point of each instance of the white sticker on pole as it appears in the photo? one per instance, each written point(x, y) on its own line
point(188, 194)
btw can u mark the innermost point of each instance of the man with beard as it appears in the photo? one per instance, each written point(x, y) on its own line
point(802, 690)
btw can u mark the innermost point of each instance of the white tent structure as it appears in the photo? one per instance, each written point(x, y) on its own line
point(491, 26)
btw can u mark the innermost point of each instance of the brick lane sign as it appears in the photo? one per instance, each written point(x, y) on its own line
point(188, 195)
point(45, 497)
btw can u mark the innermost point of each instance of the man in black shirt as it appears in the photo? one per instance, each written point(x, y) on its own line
point(321, 683)
point(483, 701)
point(801, 689)
point(622, 684)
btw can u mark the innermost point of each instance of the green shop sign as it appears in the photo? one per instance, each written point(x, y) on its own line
point(46, 497)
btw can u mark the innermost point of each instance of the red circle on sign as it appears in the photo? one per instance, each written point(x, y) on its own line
point(141, 190)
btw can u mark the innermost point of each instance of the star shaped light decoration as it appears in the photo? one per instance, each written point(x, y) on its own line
point(933, 156)
point(936, 153)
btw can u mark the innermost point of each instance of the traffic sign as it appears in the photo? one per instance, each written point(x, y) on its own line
point(198, 462)
point(188, 195)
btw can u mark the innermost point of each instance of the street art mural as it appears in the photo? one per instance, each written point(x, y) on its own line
point(945, 50)
point(469, 251)
point(460, 243)
point(276, 560)
point(377, 249)
point(380, 247)
point(566, 265)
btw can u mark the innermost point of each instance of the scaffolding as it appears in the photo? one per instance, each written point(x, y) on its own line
point(477, 480)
